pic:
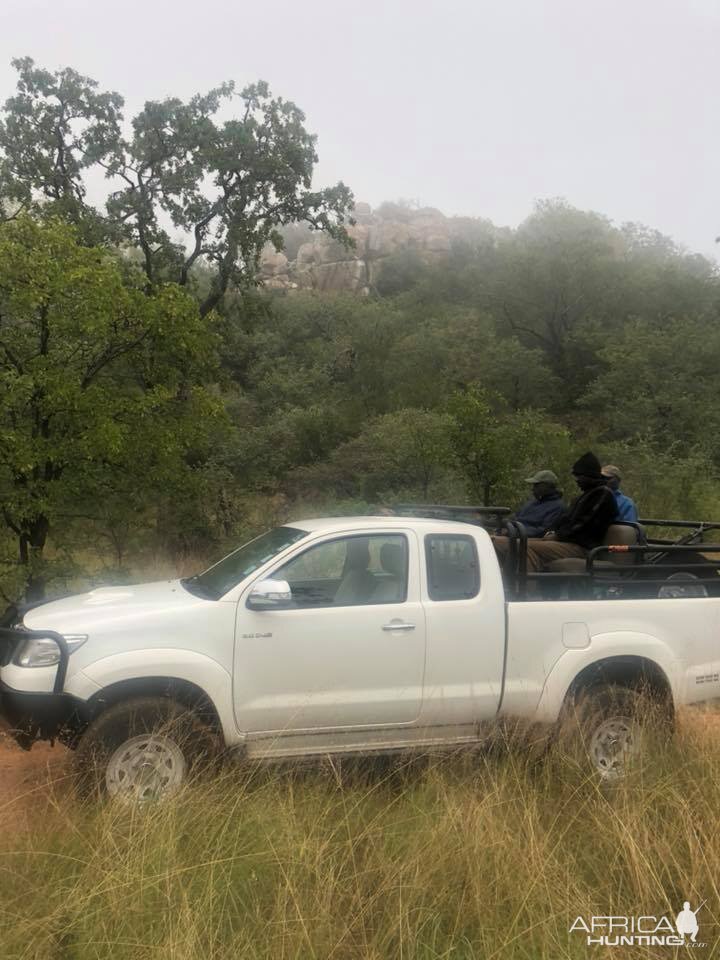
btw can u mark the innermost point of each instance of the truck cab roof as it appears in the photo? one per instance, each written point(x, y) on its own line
point(320, 524)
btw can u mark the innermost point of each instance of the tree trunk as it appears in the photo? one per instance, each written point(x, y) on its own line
point(487, 490)
point(31, 546)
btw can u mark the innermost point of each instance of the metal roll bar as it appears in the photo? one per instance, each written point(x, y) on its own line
point(649, 548)
point(17, 636)
point(690, 524)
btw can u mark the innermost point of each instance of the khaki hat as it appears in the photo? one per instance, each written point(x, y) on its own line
point(610, 470)
point(544, 476)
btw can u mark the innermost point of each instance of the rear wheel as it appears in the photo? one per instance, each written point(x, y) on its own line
point(143, 750)
point(608, 729)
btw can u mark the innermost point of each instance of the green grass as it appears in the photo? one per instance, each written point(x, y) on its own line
point(461, 858)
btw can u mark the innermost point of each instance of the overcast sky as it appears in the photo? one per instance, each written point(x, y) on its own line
point(477, 107)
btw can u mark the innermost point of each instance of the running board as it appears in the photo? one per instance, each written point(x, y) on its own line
point(281, 747)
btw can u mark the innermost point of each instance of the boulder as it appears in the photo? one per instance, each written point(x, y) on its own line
point(306, 254)
point(332, 251)
point(386, 238)
point(362, 212)
point(346, 275)
point(328, 265)
point(359, 233)
point(273, 262)
point(437, 243)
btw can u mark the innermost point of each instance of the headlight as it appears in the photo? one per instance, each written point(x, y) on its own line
point(44, 652)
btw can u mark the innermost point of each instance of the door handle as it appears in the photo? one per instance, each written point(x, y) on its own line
point(398, 626)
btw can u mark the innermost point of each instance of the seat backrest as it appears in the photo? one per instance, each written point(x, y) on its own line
point(355, 587)
point(621, 535)
point(392, 561)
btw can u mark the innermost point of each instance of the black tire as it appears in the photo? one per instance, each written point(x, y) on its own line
point(143, 749)
point(607, 729)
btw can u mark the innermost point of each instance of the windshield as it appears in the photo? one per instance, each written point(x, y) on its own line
point(227, 573)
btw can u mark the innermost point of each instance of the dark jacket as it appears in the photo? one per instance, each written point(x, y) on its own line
point(588, 517)
point(539, 516)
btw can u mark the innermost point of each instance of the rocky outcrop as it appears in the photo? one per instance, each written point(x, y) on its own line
point(323, 264)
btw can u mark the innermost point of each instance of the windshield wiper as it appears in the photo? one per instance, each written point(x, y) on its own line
point(198, 589)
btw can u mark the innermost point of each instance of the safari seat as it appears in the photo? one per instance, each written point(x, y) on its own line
point(618, 534)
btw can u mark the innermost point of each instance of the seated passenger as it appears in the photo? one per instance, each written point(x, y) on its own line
point(539, 514)
point(626, 506)
point(581, 527)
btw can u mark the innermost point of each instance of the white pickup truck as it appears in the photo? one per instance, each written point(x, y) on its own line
point(336, 636)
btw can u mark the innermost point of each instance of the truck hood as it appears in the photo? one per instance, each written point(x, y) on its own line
point(102, 609)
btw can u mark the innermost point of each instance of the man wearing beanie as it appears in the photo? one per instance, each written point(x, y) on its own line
point(582, 526)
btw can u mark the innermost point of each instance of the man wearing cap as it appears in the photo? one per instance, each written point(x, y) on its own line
point(626, 507)
point(539, 514)
point(581, 527)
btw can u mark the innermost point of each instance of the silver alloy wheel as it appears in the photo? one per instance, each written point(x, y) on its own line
point(614, 745)
point(145, 768)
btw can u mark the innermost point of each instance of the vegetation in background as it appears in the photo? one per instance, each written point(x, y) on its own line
point(101, 393)
point(218, 409)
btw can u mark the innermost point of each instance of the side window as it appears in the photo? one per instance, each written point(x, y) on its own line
point(348, 572)
point(453, 570)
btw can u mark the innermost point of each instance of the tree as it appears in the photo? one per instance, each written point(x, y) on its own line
point(495, 451)
point(457, 346)
point(55, 128)
point(94, 385)
point(226, 187)
point(406, 452)
point(666, 483)
point(660, 383)
point(555, 275)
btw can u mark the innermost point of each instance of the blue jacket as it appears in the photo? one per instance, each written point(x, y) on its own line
point(539, 516)
point(626, 507)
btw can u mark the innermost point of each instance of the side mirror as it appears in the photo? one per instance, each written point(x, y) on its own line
point(270, 595)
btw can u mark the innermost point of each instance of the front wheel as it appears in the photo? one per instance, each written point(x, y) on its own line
point(143, 750)
point(608, 729)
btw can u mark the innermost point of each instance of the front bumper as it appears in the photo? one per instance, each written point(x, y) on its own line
point(39, 716)
point(36, 716)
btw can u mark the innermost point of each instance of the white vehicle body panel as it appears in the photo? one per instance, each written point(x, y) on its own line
point(140, 620)
point(466, 647)
point(681, 636)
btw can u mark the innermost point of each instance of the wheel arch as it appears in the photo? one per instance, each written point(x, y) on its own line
point(192, 677)
point(183, 691)
point(623, 670)
point(178, 689)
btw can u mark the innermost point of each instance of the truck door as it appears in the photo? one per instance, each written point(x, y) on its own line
point(348, 652)
point(465, 617)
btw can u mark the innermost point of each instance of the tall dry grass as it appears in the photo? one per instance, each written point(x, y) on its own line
point(459, 858)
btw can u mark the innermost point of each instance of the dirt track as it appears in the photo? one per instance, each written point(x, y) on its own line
point(28, 780)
